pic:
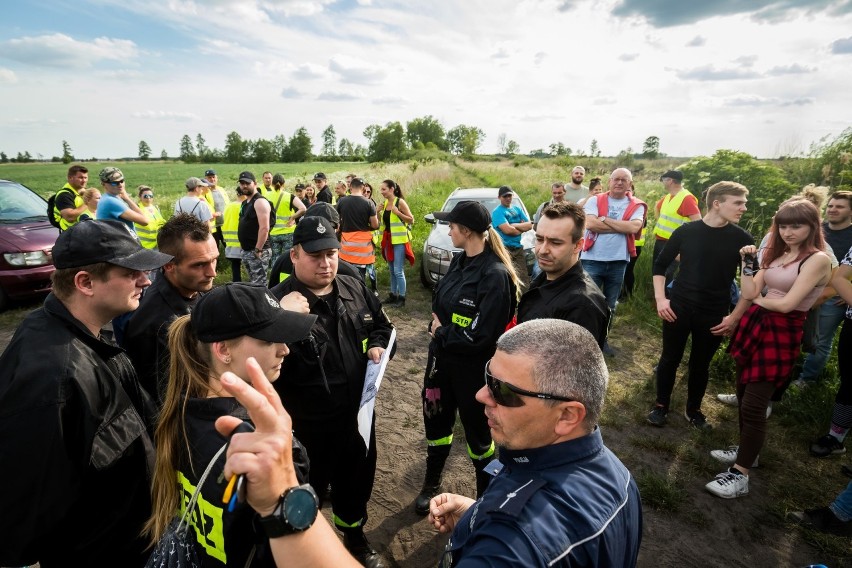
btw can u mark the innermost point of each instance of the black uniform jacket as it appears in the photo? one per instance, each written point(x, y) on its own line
point(474, 302)
point(572, 297)
point(74, 449)
point(146, 338)
point(322, 378)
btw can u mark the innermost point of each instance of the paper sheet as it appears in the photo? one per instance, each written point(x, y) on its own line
point(372, 382)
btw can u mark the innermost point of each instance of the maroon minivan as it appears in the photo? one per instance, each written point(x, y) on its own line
point(26, 243)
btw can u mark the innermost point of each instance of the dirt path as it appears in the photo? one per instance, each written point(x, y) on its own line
point(705, 531)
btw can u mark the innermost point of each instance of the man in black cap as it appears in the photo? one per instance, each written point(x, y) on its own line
point(283, 266)
point(323, 192)
point(256, 218)
point(78, 455)
point(173, 294)
point(325, 378)
point(677, 207)
point(511, 222)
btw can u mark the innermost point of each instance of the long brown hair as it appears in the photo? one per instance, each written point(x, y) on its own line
point(189, 377)
point(794, 211)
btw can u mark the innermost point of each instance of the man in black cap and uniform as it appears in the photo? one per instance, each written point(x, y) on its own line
point(77, 453)
point(326, 378)
point(323, 192)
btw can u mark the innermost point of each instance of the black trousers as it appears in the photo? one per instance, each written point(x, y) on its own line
point(451, 386)
point(704, 344)
point(339, 457)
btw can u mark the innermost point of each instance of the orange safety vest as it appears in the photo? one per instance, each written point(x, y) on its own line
point(357, 247)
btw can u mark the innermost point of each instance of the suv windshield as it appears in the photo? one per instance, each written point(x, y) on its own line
point(490, 203)
point(17, 204)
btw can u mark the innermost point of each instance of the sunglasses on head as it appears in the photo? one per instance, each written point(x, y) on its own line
point(506, 394)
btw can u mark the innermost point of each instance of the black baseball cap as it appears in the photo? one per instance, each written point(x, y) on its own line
point(314, 234)
point(319, 175)
point(471, 214)
point(673, 174)
point(90, 242)
point(325, 210)
point(237, 309)
point(210, 173)
point(504, 189)
point(247, 176)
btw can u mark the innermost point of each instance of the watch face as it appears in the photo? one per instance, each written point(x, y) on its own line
point(300, 508)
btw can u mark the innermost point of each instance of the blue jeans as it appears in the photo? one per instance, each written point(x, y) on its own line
point(609, 276)
point(842, 505)
point(830, 317)
point(397, 270)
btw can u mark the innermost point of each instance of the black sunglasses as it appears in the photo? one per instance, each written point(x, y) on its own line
point(506, 394)
point(148, 195)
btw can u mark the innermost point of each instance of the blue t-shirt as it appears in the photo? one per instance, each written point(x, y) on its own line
point(111, 207)
point(513, 214)
point(610, 246)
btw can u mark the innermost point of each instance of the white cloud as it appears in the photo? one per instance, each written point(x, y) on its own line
point(309, 71)
point(7, 76)
point(711, 73)
point(697, 41)
point(628, 56)
point(604, 101)
point(794, 69)
point(60, 50)
point(166, 115)
point(337, 96)
point(291, 93)
point(842, 46)
point(354, 70)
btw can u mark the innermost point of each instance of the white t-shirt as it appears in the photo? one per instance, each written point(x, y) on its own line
point(610, 246)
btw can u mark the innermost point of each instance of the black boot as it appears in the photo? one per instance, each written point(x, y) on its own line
point(390, 300)
point(400, 302)
point(436, 457)
point(359, 547)
point(482, 478)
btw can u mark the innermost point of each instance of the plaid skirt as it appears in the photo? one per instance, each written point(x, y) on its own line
point(766, 345)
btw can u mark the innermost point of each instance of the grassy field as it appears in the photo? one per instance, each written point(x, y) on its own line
point(680, 466)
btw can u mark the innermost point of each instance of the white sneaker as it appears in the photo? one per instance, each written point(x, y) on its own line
point(728, 485)
point(729, 457)
point(729, 399)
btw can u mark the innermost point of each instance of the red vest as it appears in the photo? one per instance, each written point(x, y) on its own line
point(603, 210)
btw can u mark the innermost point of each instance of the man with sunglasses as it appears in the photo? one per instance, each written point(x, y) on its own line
point(559, 496)
point(116, 203)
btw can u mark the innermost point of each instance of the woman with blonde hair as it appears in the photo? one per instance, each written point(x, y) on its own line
point(91, 196)
point(228, 326)
point(768, 338)
point(471, 308)
point(148, 233)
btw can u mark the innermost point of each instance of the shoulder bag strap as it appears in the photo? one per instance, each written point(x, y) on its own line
point(798, 270)
point(191, 506)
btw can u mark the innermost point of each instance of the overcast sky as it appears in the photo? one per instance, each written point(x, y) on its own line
point(766, 77)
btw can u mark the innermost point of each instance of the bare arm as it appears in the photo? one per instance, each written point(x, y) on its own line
point(607, 225)
point(262, 208)
point(815, 272)
point(300, 210)
point(71, 215)
point(841, 282)
point(664, 309)
point(403, 212)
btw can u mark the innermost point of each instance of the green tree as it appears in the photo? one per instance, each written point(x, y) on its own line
point(329, 142)
point(164, 155)
point(512, 148)
point(201, 147)
point(559, 149)
point(235, 148)
point(832, 161)
point(345, 150)
point(4, 159)
point(300, 148)
point(651, 148)
point(386, 144)
point(67, 153)
point(766, 184)
point(594, 151)
point(262, 151)
point(144, 150)
point(187, 151)
point(425, 130)
point(280, 145)
point(465, 139)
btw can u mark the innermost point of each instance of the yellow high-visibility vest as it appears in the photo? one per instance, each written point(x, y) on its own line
point(398, 229)
point(231, 224)
point(669, 219)
point(148, 233)
point(282, 206)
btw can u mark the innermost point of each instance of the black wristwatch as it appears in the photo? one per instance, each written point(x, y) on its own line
point(296, 512)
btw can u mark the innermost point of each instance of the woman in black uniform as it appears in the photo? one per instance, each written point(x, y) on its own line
point(473, 304)
point(228, 325)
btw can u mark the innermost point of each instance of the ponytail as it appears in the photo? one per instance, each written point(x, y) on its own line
point(495, 243)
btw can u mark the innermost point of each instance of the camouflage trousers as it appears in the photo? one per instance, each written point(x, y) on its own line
point(257, 268)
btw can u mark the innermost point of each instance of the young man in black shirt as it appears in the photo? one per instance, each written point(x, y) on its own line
point(700, 297)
